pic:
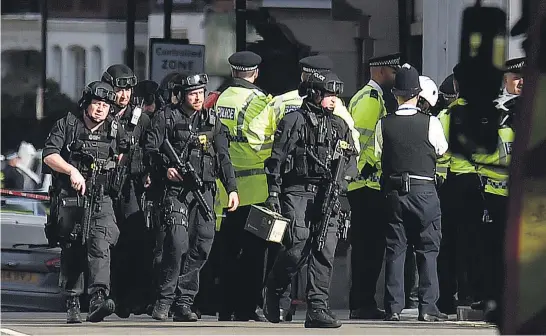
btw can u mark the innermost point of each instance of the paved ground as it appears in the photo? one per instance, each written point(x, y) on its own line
point(24, 324)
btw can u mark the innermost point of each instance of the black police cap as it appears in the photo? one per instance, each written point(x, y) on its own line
point(316, 63)
point(515, 65)
point(406, 82)
point(392, 60)
point(447, 88)
point(244, 61)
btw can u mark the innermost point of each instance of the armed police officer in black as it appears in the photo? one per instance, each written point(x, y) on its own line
point(408, 143)
point(133, 253)
point(82, 150)
point(196, 145)
point(312, 161)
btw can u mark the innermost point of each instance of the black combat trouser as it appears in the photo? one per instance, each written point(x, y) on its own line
point(367, 238)
point(133, 255)
point(493, 236)
point(186, 247)
point(413, 218)
point(303, 208)
point(459, 259)
point(243, 265)
point(411, 276)
point(92, 258)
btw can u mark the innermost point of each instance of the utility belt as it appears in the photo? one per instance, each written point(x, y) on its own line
point(403, 182)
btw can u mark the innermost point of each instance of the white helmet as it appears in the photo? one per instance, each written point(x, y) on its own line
point(430, 90)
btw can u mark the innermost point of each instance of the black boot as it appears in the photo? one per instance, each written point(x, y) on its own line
point(73, 310)
point(321, 318)
point(184, 313)
point(161, 311)
point(100, 307)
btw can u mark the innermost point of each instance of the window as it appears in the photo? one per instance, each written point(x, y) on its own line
point(56, 63)
point(77, 66)
point(96, 60)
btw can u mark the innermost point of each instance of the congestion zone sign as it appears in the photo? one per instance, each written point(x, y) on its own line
point(170, 55)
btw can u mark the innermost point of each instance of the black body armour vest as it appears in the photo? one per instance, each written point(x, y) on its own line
point(313, 153)
point(193, 140)
point(84, 147)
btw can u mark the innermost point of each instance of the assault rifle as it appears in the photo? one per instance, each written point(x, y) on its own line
point(331, 204)
point(90, 201)
point(191, 177)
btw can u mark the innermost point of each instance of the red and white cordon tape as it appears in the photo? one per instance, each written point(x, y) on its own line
point(24, 194)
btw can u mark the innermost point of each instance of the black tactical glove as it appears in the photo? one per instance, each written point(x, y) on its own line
point(272, 202)
point(367, 170)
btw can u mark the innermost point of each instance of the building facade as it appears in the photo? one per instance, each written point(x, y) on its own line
point(439, 24)
point(84, 37)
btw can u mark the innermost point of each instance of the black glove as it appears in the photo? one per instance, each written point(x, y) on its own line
point(367, 170)
point(273, 204)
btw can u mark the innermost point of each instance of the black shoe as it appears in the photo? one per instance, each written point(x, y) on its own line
point(245, 317)
point(438, 317)
point(161, 311)
point(321, 318)
point(367, 314)
point(223, 316)
point(73, 314)
point(183, 313)
point(271, 305)
point(100, 307)
point(392, 317)
point(480, 305)
point(122, 312)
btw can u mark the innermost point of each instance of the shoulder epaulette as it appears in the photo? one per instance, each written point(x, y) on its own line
point(374, 94)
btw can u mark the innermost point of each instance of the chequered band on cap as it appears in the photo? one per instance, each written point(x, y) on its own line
point(517, 66)
point(391, 62)
point(243, 68)
point(310, 70)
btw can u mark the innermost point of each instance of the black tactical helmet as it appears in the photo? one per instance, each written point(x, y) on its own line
point(319, 83)
point(146, 91)
point(180, 83)
point(164, 87)
point(97, 90)
point(119, 75)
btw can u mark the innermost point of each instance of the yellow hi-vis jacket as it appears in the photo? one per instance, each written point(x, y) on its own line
point(496, 178)
point(458, 164)
point(366, 107)
point(236, 107)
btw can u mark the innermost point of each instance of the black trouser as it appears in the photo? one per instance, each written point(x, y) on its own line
point(413, 218)
point(94, 256)
point(304, 211)
point(244, 265)
point(133, 255)
point(459, 259)
point(207, 300)
point(493, 235)
point(411, 276)
point(367, 239)
point(186, 248)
